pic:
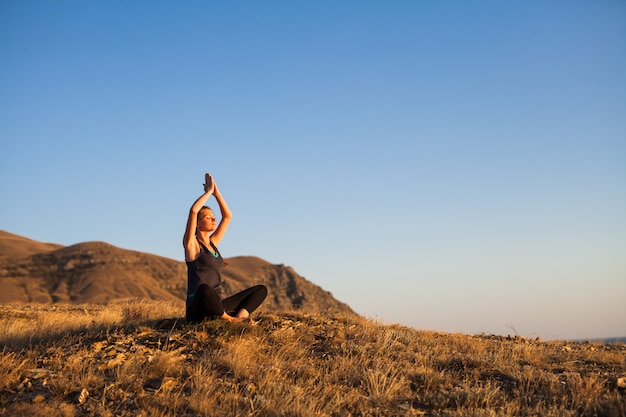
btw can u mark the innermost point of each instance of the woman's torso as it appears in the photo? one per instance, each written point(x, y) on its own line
point(205, 269)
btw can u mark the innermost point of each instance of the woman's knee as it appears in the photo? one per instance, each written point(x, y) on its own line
point(261, 289)
point(208, 301)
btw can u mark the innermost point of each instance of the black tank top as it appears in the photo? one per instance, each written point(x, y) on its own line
point(205, 269)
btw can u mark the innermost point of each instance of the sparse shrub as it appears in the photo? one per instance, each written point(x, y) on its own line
point(383, 382)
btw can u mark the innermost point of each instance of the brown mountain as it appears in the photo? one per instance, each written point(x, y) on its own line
point(14, 246)
point(97, 272)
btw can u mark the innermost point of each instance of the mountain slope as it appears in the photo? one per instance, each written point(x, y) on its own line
point(97, 272)
point(14, 246)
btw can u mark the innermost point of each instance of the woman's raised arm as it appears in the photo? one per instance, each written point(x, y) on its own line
point(217, 236)
point(190, 243)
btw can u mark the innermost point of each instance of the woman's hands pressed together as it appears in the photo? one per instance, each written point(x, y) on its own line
point(209, 184)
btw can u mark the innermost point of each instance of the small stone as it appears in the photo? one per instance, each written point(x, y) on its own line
point(404, 406)
point(158, 383)
point(621, 382)
point(112, 363)
point(39, 399)
point(82, 397)
point(153, 384)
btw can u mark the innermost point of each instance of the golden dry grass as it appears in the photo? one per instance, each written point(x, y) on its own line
point(139, 359)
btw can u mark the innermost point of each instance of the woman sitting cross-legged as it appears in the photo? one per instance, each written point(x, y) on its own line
point(205, 263)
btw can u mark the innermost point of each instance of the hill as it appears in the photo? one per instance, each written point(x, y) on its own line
point(14, 246)
point(138, 359)
point(97, 272)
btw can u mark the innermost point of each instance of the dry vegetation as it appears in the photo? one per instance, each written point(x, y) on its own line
point(138, 359)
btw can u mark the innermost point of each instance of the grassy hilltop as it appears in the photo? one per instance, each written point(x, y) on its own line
point(139, 359)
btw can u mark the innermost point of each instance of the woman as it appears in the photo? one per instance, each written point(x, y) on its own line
point(204, 265)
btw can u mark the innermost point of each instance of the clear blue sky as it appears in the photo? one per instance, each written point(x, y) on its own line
point(448, 165)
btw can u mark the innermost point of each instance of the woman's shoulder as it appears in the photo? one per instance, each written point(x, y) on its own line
point(192, 249)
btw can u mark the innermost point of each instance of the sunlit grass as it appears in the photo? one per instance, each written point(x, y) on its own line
point(141, 358)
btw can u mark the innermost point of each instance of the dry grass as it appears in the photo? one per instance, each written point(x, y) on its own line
point(139, 359)
point(28, 324)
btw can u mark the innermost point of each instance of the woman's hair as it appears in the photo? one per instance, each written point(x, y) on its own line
point(203, 208)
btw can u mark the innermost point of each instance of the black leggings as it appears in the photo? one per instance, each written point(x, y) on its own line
point(207, 303)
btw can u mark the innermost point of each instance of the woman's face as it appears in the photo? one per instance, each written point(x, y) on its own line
point(206, 220)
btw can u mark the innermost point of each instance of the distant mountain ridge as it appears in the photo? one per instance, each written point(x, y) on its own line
point(604, 340)
point(97, 272)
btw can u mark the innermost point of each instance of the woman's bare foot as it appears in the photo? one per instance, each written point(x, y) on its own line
point(243, 313)
point(245, 319)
